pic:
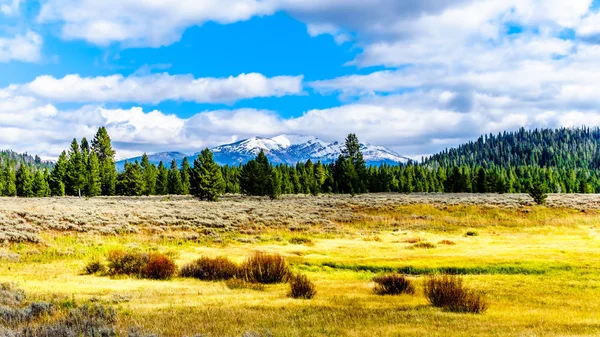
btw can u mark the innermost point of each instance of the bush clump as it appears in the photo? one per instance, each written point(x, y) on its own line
point(11, 295)
point(424, 245)
point(126, 263)
point(393, 284)
point(154, 266)
point(95, 266)
point(210, 269)
point(449, 293)
point(301, 287)
point(158, 267)
point(301, 240)
point(265, 268)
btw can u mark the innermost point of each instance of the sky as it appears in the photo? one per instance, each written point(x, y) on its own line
point(416, 76)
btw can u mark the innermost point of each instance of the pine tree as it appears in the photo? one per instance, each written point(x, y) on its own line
point(174, 179)
point(352, 152)
point(150, 172)
point(101, 144)
point(257, 177)
point(2, 183)
point(57, 177)
point(538, 193)
point(24, 182)
point(345, 176)
point(481, 181)
point(85, 151)
point(93, 184)
point(206, 178)
point(185, 176)
point(10, 182)
point(162, 180)
point(75, 172)
point(131, 181)
point(40, 187)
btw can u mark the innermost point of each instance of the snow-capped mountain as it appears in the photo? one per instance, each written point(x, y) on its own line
point(290, 149)
point(283, 149)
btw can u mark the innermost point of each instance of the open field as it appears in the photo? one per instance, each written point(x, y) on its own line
point(539, 266)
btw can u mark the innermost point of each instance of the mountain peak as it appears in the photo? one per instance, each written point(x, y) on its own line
point(291, 149)
point(283, 149)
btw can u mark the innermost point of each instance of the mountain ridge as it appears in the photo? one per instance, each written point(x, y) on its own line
point(281, 149)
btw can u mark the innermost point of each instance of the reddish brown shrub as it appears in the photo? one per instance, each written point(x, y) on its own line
point(158, 267)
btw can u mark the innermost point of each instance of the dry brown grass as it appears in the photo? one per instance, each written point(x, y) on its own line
point(23, 220)
point(535, 264)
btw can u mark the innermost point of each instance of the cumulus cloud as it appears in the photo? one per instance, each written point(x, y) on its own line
point(143, 22)
point(25, 47)
point(400, 121)
point(155, 88)
point(453, 73)
point(10, 7)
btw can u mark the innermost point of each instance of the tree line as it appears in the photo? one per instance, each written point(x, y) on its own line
point(88, 169)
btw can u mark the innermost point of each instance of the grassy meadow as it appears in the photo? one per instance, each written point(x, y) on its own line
point(538, 266)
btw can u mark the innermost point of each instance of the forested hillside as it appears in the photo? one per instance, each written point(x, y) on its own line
point(574, 148)
point(8, 157)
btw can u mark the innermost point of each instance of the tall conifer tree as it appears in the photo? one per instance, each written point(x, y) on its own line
point(207, 180)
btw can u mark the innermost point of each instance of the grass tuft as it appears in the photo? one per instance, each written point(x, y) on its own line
point(448, 292)
point(301, 287)
point(236, 283)
point(95, 266)
point(424, 245)
point(265, 268)
point(393, 284)
point(302, 240)
point(210, 269)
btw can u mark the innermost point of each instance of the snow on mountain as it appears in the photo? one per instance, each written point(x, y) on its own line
point(290, 149)
point(282, 149)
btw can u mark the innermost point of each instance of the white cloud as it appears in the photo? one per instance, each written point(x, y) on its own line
point(143, 22)
point(156, 88)
point(25, 48)
point(10, 7)
point(412, 123)
point(455, 74)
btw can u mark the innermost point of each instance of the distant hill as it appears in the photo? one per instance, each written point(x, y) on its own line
point(283, 149)
point(165, 157)
point(560, 148)
point(9, 157)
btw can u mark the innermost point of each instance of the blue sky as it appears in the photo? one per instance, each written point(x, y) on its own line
point(415, 76)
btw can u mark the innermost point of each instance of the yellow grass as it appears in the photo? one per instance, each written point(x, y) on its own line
point(538, 266)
